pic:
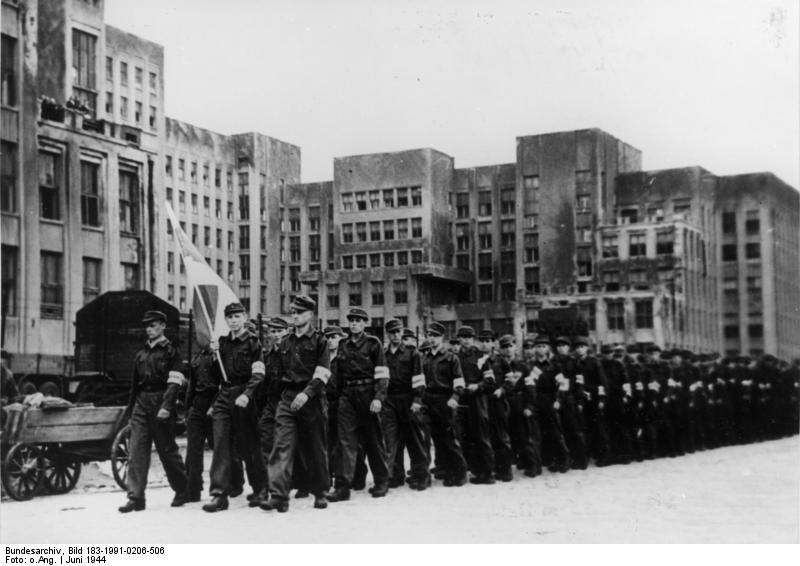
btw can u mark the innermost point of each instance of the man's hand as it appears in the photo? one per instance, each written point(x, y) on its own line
point(375, 406)
point(527, 412)
point(162, 414)
point(472, 387)
point(601, 405)
point(556, 405)
point(498, 392)
point(299, 401)
point(214, 345)
point(416, 408)
point(242, 401)
point(452, 403)
point(210, 410)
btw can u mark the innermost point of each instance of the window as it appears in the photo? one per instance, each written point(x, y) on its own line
point(530, 195)
point(244, 237)
point(218, 178)
point(84, 66)
point(729, 222)
point(137, 112)
point(217, 208)
point(294, 220)
point(610, 244)
point(8, 270)
point(416, 227)
point(347, 262)
point(313, 219)
point(588, 314)
point(629, 215)
point(388, 198)
point(361, 261)
point(205, 174)
point(400, 291)
point(230, 271)
point(583, 182)
point(123, 73)
point(729, 252)
point(314, 248)
point(244, 195)
point(485, 235)
point(731, 331)
point(755, 330)
point(637, 276)
point(507, 200)
point(361, 200)
point(374, 260)
point(583, 203)
point(462, 261)
point(377, 293)
point(530, 244)
point(170, 262)
point(388, 229)
point(644, 314)
point(50, 185)
point(507, 291)
point(752, 250)
point(168, 165)
point(402, 197)
point(374, 199)
point(52, 299)
point(91, 279)
point(508, 268)
point(194, 203)
point(462, 237)
point(294, 248)
point(130, 276)
point(138, 76)
point(194, 233)
point(207, 236)
point(611, 280)
point(485, 294)
point(681, 208)
point(354, 295)
point(665, 243)
point(206, 206)
point(637, 246)
point(584, 260)
point(416, 256)
point(152, 82)
point(347, 233)
point(485, 266)
point(583, 235)
point(244, 267)
point(416, 196)
point(402, 229)
point(294, 278)
point(388, 259)
point(182, 301)
point(8, 68)
point(462, 205)
point(182, 169)
point(90, 197)
point(361, 231)
point(402, 258)
point(347, 202)
point(8, 176)
point(182, 201)
point(484, 203)
point(123, 108)
point(508, 233)
point(374, 231)
point(616, 315)
point(332, 292)
point(110, 103)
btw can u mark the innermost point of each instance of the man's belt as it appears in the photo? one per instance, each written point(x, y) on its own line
point(439, 391)
point(152, 387)
point(358, 382)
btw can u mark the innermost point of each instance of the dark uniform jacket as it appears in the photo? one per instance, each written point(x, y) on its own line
point(443, 373)
point(360, 362)
point(243, 360)
point(304, 362)
point(156, 368)
point(589, 370)
point(203, 381)
point(405, 372)
point(516, 379)
point(477, 369)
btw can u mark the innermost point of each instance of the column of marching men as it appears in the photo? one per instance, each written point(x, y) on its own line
point(312, 411)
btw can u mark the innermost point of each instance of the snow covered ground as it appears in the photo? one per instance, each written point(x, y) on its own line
point(739, 494)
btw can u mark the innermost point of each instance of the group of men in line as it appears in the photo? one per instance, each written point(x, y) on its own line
point(310, 409)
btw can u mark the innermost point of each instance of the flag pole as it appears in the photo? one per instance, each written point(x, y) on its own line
point(210, 327)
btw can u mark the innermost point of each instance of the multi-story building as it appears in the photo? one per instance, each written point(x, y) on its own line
point(757, 227)
point(82, 131)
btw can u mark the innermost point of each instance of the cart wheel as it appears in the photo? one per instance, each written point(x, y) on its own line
point(22, 471)
point(120, 451)
point(60, 472)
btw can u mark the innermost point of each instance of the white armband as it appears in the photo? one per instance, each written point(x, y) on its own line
point(175, 377)
point(579, 379)
point(258, 368)
point(381, 372)
point(417, 380)
point(459, 382)
point(321, 373)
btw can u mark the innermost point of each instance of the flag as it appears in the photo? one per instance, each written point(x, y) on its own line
point(210, 294)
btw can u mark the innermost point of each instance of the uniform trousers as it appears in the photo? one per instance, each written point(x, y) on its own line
point(357, 425)
point(440, 422)
point(404, 428)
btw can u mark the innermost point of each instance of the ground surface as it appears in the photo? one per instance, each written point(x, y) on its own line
point(740, 494)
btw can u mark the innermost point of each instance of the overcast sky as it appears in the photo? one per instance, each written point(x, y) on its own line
point(689, 82)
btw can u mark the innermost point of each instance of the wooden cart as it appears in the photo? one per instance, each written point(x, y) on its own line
point(45, 448)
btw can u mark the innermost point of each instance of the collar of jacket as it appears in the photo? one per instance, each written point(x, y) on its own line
point(161, 340)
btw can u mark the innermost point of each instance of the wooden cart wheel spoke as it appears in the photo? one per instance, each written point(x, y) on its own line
point(120, 452)
point(61, 471)
point(22, 471)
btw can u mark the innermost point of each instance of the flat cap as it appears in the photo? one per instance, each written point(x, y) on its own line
point(356, 312)
point(634, 349)
point(393, 325)
point(652, 348)
point(581, 341)
point(333, 331)
point(618, 348)
point(562, 340)
point(506, 340)
point(154, 316)
point(466, 332)
point(529, 341)
point(436, 329)
point(408, 333)
point(427, 344)
point(277, 322)
point(303, 303)
point(606, 349)
point(541, 339)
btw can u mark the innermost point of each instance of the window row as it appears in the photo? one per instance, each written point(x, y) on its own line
point(138, 111)
point(376, 293)
point(398, 197)
point(376, 231)
point(615, 314)
point(637, 244)
point(123, 72)
point(508, 199)
point(383, 259)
